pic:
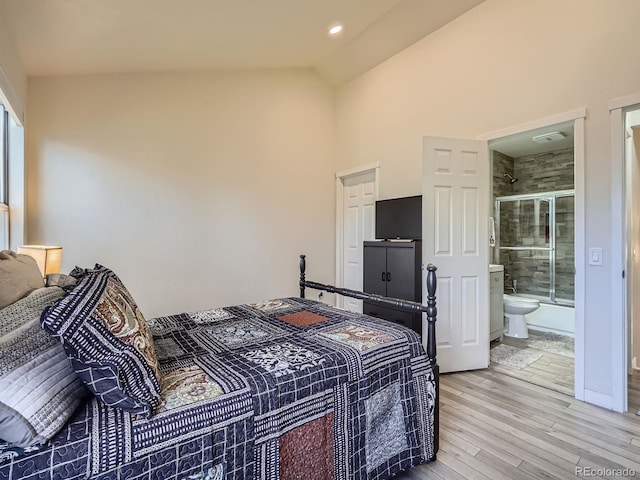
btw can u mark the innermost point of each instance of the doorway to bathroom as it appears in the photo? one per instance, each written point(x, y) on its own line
point(533, 195)
point(625, 311)
point(629, 130)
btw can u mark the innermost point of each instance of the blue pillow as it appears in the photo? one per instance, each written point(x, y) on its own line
point(107, 339)
point(39, 391)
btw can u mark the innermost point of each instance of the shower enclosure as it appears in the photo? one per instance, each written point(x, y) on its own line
point(535, 243)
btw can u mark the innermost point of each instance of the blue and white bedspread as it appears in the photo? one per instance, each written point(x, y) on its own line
point(284, 389)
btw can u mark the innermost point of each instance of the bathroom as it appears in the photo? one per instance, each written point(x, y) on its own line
point(533, 200)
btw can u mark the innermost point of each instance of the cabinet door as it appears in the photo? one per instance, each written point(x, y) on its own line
point(401, 269)
point(496, 281)
point(375, 270)
point(496, 313)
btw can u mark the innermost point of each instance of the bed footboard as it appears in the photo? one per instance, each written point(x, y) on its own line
point(429, 309)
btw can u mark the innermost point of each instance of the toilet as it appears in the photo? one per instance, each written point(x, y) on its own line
point(515, 308)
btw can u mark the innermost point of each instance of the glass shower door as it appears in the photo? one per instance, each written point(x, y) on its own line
point(525, 245)
point(535, 243)
point(565, 249)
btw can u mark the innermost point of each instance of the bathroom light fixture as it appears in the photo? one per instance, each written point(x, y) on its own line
point(549, 137)
point(335, 30)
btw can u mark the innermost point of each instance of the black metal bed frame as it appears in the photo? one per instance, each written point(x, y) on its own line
point(430, 309)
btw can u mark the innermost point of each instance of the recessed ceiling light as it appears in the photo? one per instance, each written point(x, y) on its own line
point(335, 30)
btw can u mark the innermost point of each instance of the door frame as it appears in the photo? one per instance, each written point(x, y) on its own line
point(619, 249)
point(578, 117)
point(340, 177)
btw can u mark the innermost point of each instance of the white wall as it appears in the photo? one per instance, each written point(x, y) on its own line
point(503, 64)
point(198, 190)
point(13, 79)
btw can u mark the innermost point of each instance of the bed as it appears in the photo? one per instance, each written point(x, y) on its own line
point(283, 389)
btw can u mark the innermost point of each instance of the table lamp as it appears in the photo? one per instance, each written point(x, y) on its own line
point(47, 257)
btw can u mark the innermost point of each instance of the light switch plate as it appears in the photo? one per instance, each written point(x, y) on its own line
point(595, 256)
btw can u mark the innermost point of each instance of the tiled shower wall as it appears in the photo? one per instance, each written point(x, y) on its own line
point(502, 164)
point(545, 172)
point(548, 172)
point(535, 173)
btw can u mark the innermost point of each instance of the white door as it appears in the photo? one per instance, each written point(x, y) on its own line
point(358, 226)
point(455, 209)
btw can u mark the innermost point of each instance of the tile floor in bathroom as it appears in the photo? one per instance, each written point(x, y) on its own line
point(552, 371)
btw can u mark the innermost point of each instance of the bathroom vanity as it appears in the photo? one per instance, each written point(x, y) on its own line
point(496, 309)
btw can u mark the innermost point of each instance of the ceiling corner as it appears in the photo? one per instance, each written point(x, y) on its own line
point(407, 23)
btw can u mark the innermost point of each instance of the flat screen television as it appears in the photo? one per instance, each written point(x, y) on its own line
point(399, 218)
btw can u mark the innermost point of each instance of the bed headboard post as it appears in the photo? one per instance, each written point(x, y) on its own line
point(303, 267)
point(432, 311)
point(432, 314)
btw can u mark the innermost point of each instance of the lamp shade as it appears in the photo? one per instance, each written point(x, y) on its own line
point(47, 257)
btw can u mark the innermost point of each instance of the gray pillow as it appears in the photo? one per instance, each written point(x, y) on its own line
point(39, 391)
point(60, 280)
point(27, 308)
point(19, 275)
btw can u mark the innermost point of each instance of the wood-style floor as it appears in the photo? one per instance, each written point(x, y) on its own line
point(499, 427)
point(550, 370)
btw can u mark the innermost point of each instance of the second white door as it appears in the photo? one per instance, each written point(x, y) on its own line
point(358, 226)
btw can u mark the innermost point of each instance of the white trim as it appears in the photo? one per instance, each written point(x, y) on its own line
point(578, 117)
point(628, 241)
point(339, 234)
point(626, 101)
point(13, 104)
point(597, 398)
point(580, 254)
point(4, 218)
point(340, 176)
point(618, 265)
point(370, 167)
point(17, 190)
point(544, 122)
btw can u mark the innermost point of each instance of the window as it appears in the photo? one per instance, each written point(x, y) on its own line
point(4, 174)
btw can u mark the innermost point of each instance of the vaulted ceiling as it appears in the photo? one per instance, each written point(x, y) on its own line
point(71, 37)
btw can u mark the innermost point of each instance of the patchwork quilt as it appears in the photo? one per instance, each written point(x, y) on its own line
point(284, 389)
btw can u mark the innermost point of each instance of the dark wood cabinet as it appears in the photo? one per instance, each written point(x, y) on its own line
point(394, 269)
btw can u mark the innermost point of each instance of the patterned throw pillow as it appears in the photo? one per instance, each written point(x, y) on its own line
point(39, 391)
point(107, 340)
